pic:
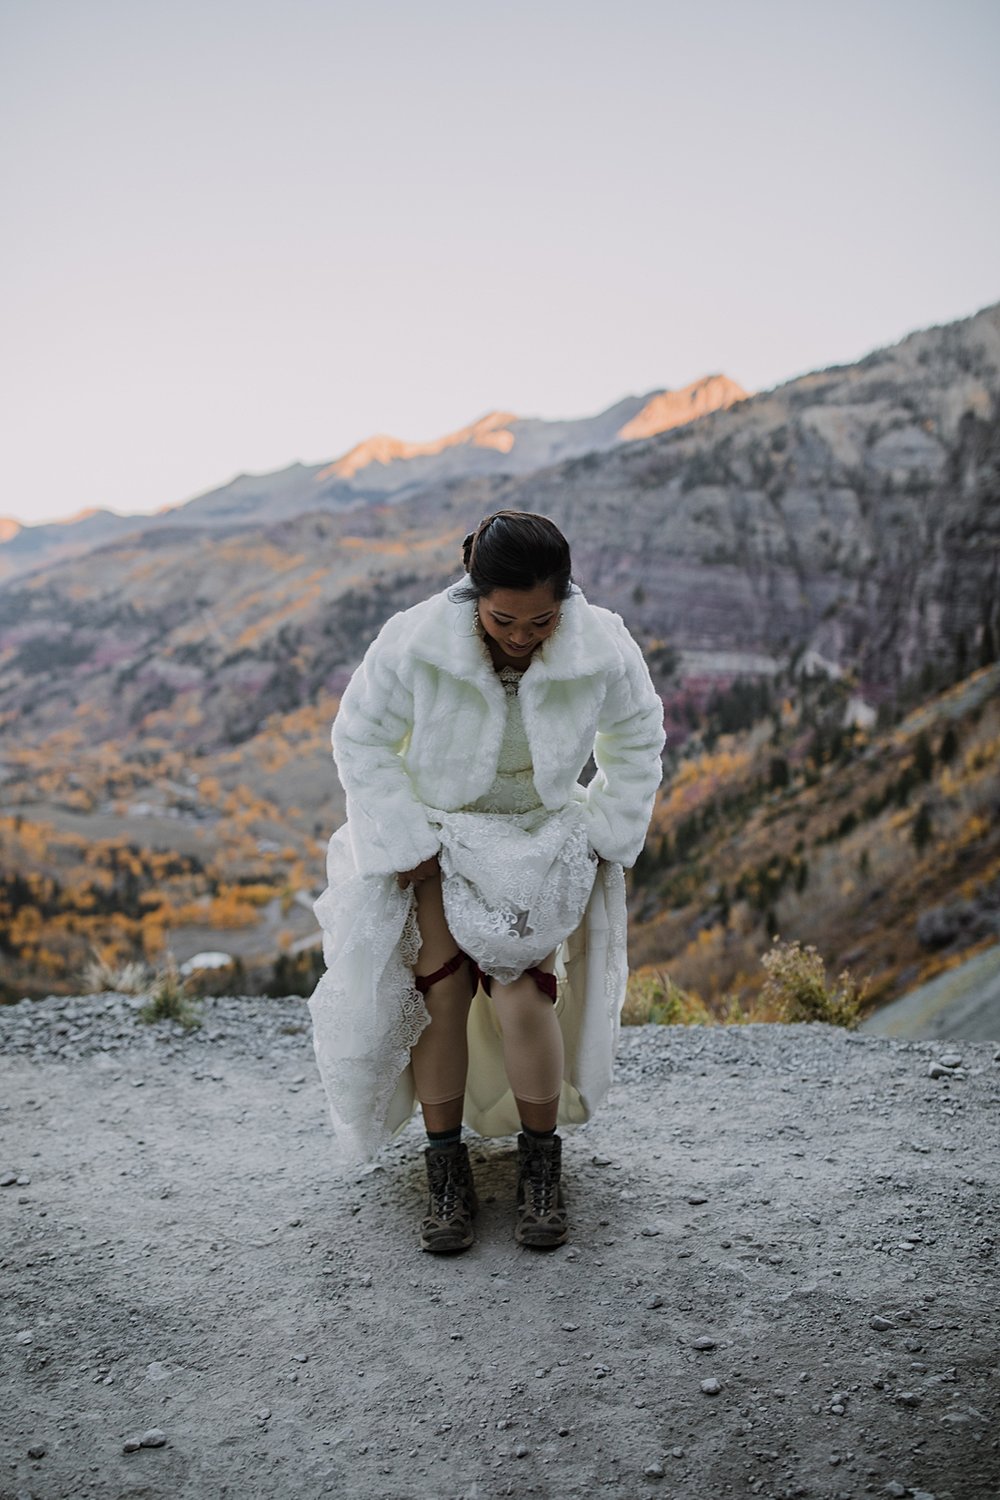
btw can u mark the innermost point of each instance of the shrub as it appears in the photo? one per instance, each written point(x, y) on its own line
point(797, 986)
point(169, 999)
point(101, 974)
point(655, 998)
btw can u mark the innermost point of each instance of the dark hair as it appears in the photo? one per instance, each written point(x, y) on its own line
point(515, 549)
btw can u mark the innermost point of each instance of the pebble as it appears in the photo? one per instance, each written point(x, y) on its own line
point(907, 1398)
point(654, 1471)
point(951, 1060)
point(8, 1179)
point(26, 1336)
point(880, 1325)
point(695, 1198)
point(520, 1451)
point(37, 1450)
point(131, 1445)
point(655, 1301)
point(895, 1489)
point(711, 1387)
point(650, 1230)
point(153, 1437)
point(704, 1342)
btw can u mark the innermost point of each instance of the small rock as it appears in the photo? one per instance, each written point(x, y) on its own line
point(895, 1489)
point(907, 1398)
point(37, 1450)
point(655, 1301)
point(131, 1445)
point(880, 1325)
point(704, 1342)
point(8, 1179)
point(263, 1413)
point(654, 1471)
point(711, 1387)
point(649, 1230)
point(26, 1336)
point(677, 1453)
point(520, 1451)
point(601, 1161)
point(569, 1327)
point(24, 1180)
point(695, 1198)
point(153, 1437)
point(951, 1060)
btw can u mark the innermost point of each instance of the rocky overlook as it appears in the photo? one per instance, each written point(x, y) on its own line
point(780, 1278)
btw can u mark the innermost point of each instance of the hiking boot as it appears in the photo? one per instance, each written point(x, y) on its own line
point(541, 1211)
point(447, 1225)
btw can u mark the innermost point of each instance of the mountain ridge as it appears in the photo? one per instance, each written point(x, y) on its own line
point(380, 467)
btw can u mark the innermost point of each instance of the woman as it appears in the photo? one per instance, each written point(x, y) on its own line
point(474, 919)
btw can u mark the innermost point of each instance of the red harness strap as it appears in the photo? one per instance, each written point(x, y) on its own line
point(545, 982)
point(423, 982)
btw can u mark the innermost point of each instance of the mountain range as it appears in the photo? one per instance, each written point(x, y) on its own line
point(379, 468)
point(167, 683)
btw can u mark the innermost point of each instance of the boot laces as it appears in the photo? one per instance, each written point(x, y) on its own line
point(541, 1183)
point(444, 1185)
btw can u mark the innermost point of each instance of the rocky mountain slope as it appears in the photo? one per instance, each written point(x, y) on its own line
point(172, 692)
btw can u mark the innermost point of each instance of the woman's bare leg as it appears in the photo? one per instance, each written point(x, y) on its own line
point(533, 1051)
point(440, 1058)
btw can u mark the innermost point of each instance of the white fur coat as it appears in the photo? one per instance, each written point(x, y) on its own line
point(421, 721)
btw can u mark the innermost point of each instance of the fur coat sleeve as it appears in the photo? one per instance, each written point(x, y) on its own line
point(389, 829)
point(627, 746)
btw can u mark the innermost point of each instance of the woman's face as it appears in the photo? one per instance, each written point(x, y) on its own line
point(517, 621)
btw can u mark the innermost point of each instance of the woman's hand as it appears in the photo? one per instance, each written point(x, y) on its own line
point(423, 871)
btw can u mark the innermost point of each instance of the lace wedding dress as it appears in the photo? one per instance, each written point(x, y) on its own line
point(518, 882)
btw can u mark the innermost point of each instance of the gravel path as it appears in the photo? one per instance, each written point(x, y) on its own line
point(780, 1280)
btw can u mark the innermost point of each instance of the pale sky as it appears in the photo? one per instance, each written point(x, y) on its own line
point(241, 233)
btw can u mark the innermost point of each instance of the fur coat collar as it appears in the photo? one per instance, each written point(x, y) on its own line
point(444, 636)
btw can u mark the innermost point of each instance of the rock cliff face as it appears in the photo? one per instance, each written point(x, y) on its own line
point(853, 512)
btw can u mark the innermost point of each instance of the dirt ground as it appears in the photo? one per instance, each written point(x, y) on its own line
point(780, 1280)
